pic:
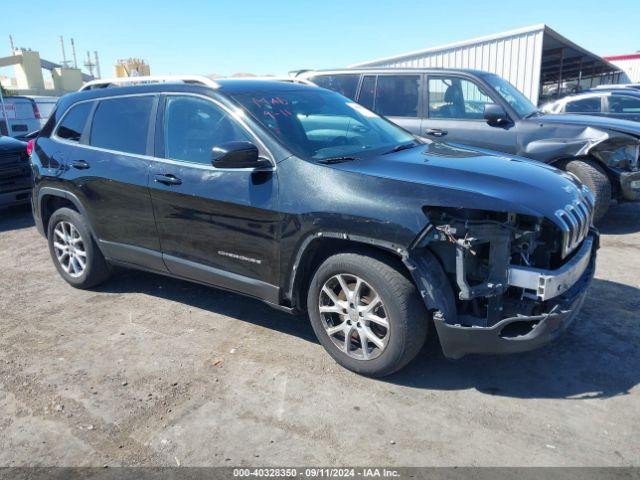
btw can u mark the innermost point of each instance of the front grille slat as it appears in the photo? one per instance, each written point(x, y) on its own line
point(574, 221)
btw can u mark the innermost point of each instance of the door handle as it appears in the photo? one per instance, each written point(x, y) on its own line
point(80, 164)
point(167, 179)
point(435, 132)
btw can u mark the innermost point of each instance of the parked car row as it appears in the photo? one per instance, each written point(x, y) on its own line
point(484, 111)
point(311, 202)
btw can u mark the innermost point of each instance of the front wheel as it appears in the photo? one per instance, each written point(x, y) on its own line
point(366, 314)
point(596, 179)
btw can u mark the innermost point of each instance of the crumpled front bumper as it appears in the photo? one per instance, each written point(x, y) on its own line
point(503, 337)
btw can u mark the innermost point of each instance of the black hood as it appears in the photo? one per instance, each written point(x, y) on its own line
point(9, 144)
point(624, 126)
point(466, 178)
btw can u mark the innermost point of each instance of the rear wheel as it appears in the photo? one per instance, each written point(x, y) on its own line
point(366, 314)
point(73, 250)
point(594, 177)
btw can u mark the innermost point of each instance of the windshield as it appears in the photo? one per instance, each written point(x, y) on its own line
point(318, 124)
point(521, 104)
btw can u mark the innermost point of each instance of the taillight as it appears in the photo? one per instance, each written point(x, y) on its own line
point(36, 112)
point(30, 144)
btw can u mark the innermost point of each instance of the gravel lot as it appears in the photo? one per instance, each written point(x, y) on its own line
point(148, 370)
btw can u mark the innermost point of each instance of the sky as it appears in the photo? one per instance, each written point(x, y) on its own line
point(275, 36)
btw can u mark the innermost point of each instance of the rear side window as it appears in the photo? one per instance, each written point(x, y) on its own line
point(344, 84)
point(74, 121)
point(122, 124)
point(398, 95)
point(586, 105)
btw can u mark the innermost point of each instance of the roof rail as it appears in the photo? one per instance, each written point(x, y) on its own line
point(126, 81)
point(304, 81)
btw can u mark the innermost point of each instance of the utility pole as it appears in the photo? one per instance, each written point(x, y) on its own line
point(89, 64)
point(11, 44)
point(65, 64)
point(95, 55)
point(73, 51)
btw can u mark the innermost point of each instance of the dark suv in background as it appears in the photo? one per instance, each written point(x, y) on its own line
point(306, 200)
point(15, 172)
point(483, 110)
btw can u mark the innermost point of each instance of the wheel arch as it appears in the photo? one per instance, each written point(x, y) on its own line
point(319, 246)
point(51, 199)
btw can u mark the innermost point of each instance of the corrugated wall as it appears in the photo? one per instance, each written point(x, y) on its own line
point(631, 67)
point(516, 58)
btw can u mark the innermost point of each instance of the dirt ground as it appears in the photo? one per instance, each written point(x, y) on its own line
point(147, 370)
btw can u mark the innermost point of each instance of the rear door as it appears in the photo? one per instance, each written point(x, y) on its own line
point(107, 167)
point(626, 107)
point(395, 96)
point(217, 226)
point(455, 113)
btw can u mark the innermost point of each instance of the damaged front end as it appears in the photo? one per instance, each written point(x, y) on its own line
point(509, 282)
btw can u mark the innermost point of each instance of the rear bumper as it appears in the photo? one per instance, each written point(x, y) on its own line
point(504, 337)
point(630, 186)
point(17, 197)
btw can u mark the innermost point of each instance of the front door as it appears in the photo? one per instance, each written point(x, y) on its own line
point(217, 226)
point(455, 113)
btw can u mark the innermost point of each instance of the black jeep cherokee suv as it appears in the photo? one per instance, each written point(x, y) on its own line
point(304, 199)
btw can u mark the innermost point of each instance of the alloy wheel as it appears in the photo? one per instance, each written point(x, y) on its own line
point(69, 248)
point(354, 316)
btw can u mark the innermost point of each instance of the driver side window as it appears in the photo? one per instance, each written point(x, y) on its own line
point(193, 126)
point(456, 98)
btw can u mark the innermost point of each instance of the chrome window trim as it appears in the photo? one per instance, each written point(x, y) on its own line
point(176, 162)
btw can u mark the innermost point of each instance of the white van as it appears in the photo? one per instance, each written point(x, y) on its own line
point(25, 114)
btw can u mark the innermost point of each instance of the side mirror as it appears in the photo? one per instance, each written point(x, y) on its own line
point(237, 155)
point(495, 115)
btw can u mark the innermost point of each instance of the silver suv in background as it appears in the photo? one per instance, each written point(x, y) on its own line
point(481, 109)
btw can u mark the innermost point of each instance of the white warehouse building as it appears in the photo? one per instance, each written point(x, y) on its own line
point(630, 64)
point(537, 60)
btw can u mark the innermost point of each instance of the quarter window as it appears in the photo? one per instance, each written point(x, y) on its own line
point(585, 105)
point(122, 124)
point(74, 122)
point(344, 84)
point(398, 95)
point(451, 97)
point(193, 126)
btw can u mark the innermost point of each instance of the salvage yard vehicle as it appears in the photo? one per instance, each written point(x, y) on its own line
point(306, 200)
point(483, 110)
point(623, 104)
point(15, 172)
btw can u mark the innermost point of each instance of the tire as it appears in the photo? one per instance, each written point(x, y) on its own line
point(596, 179)
point(67, 228)
point(401, 307)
